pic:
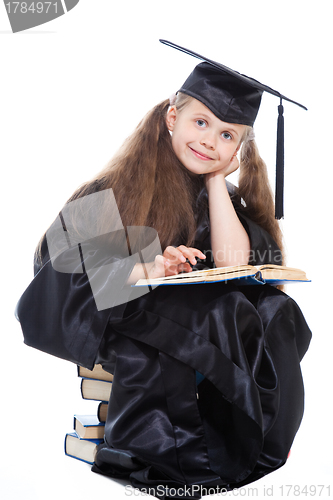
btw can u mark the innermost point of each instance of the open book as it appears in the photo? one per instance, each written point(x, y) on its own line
point(245, 275)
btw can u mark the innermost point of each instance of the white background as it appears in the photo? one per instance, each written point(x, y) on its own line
point(71, 91)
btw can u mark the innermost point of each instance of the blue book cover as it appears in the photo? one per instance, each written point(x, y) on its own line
point(88, 426)
point(81, 449)
point(238, 275)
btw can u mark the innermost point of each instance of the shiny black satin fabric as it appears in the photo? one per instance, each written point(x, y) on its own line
point(58, 312)
point(162, 429)
point(247, 342)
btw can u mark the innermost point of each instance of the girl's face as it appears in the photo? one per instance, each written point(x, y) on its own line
point(201, 141)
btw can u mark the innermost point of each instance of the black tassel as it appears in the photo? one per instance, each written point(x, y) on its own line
point(279, 179)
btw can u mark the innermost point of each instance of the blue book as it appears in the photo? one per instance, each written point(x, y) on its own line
point(81, 449)
point(97, 390)
point(88, 427)
point(239, 275)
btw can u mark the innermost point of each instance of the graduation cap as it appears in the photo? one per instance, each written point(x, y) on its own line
point(235, 98)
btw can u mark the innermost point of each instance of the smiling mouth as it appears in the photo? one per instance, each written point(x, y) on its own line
point(200, 155)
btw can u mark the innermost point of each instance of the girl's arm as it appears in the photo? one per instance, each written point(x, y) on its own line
point(230, 242)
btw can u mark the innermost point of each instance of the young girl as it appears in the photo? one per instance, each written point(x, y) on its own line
point(207, 392)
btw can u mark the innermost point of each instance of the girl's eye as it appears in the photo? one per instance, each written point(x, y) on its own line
point(226, 135)
point(201, 123)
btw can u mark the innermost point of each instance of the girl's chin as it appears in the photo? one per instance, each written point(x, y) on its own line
point(197, 169)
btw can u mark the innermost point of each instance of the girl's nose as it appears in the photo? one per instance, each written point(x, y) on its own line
point(208, 141)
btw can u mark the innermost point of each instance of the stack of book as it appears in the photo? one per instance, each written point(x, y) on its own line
point(88, 430)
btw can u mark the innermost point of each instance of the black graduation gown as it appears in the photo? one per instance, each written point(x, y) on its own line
point(164, 432)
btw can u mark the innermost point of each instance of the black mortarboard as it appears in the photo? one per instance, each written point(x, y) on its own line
point(235, 98)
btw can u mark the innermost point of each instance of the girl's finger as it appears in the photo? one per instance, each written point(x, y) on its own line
point(190, 253)
point(180, 254)
point(198, 253)
point(184, 268)
point(174, 255)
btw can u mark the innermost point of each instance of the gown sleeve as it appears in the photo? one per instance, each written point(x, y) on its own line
point(58, 311)
point(80, 282)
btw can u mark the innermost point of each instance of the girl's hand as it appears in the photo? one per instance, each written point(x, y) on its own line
point(176, 259)
point(173, 261)
point(232, 166)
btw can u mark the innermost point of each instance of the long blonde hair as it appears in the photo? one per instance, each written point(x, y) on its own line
point(152, 187)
